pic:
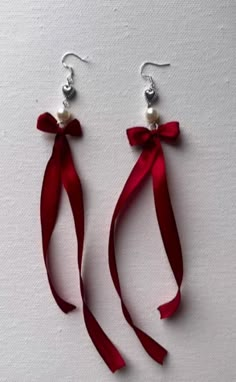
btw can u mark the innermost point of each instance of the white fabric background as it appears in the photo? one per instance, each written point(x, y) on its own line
point(38, 342)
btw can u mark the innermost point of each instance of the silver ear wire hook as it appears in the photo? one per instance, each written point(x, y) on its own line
point(69, 67)
point(150, 93)
point(67, 89)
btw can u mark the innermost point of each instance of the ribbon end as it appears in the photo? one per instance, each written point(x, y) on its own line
point(119, 365)
point(168, 309)
point(163, 359)
point(68, 308)
point(65, 306)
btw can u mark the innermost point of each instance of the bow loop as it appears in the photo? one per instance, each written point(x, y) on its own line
point(48, 124)
point(73, 128)
point(169, 130)
point(140, 136)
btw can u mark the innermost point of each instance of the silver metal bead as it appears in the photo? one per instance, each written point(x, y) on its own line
point(68, 91)
point(150, 95)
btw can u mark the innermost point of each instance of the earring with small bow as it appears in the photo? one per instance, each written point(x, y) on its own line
point(150, 162)
point(60, 173)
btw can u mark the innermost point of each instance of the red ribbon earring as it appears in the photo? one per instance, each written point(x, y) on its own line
point(151, 161)
point(60, 171)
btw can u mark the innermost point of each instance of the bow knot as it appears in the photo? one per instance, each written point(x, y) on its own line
point(140, 136)
point(48, 124)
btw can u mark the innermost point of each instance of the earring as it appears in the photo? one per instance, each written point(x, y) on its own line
point(151, 161)
point(60, 171)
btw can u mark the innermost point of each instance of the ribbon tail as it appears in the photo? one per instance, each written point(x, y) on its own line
point(139, 173)
point(72, 185)
point(168, 230)
point(50, 200)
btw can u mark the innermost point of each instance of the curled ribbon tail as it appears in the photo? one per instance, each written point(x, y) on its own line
point(49, 205)
point(168, 230)
point(61, 171)
point(103, 344)
point(139, 173)
point(72, 185)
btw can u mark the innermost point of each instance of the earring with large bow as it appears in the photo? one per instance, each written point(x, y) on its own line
point(151, 162)
point(61, 173)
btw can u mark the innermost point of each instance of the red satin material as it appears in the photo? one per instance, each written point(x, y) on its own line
point(60, 171)
point(151, 161)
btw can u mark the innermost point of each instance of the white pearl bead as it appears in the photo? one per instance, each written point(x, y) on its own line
point(63, 114)
point(152, 115)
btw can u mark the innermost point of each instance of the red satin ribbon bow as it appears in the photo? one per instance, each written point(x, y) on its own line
point(60, 171)
point(151, 161)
